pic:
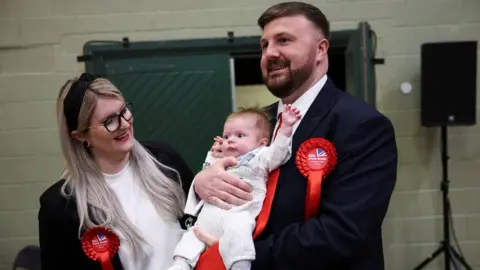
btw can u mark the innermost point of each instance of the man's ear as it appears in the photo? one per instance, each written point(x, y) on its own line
point(322, 48)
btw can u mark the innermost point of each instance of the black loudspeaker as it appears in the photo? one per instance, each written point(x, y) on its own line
point(448, 83)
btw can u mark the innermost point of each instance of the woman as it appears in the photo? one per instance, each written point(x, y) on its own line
point(111, 180)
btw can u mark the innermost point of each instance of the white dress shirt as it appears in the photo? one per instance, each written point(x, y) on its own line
point(304, 102)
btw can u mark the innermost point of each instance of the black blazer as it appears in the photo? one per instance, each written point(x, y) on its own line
point(58, 220)
point(347, 233)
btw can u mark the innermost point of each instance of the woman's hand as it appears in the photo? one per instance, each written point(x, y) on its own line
point(216, 186)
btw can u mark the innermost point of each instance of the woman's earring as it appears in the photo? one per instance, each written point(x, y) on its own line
point(85, 144)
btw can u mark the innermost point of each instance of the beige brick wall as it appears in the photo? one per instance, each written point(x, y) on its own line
point(41, 38)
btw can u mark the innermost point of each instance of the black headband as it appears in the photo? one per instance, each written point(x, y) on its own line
point(74, 99)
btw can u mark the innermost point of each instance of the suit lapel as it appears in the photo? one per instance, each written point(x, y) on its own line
point(272, 112)
point(316, 113)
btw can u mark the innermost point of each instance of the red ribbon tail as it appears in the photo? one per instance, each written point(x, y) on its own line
point(210, 259)
point(314, 191)
point(105, 262)
point(264, 214)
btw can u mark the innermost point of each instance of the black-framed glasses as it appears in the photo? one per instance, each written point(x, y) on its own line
point(114, 121)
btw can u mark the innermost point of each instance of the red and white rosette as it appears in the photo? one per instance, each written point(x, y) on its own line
point(316, 158)
point(101, 244)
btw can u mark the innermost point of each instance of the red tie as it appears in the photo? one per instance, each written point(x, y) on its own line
point(278, 127)
point(211, 259)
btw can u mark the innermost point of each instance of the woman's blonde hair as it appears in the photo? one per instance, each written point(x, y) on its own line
point(96, 202)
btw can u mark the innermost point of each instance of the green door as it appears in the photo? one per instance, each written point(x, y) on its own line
point(182, 100)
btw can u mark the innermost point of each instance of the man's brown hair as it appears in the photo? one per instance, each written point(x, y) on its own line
point(263, 119)
point(285, 9)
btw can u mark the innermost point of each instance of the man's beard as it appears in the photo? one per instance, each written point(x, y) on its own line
point(284, 85)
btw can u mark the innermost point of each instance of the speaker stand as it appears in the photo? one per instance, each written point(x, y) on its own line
point(451, 255)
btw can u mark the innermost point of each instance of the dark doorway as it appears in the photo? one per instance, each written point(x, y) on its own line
point(247, 68)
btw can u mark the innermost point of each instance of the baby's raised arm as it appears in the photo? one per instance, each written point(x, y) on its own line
point(280, 149)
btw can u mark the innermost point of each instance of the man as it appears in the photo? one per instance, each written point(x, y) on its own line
point(346, 232)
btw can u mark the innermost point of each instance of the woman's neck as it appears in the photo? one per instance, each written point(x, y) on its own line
point(109, 165)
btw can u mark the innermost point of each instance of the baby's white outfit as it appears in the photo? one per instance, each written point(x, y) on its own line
point(234, 227)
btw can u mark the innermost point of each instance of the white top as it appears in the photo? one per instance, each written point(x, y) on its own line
point(304, 102)
point(161, 235)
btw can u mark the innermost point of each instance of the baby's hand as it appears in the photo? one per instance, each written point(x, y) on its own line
point(217, 147)
point(290, 115)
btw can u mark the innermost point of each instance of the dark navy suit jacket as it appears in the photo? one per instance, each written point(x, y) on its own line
point(346, 234)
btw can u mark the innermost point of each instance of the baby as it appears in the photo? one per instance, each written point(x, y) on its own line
point(245, 136)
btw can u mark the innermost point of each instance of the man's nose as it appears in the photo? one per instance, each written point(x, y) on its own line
point(271, 52)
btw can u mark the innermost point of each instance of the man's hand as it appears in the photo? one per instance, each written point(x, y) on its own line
point(216, 186)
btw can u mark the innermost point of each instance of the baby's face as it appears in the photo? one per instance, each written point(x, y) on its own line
point(241, 136)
